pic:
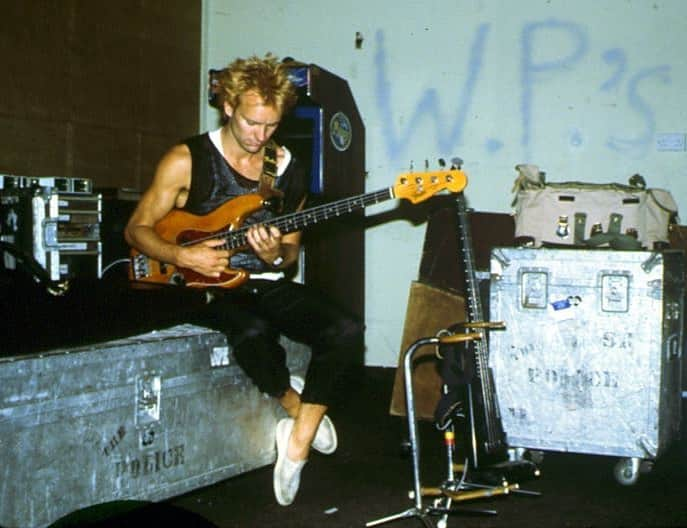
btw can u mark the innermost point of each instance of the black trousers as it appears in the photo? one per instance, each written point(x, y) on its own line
point(254, 315)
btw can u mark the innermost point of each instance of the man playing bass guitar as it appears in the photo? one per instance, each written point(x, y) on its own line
point(209, 170)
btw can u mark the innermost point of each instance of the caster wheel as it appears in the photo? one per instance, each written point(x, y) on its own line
point(626, 471)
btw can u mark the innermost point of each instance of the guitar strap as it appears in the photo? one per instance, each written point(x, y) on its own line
point(268, 179)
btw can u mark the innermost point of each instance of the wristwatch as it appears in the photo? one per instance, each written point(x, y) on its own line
point(278, 261)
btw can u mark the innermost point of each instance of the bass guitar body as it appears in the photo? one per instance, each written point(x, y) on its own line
point(174, 227)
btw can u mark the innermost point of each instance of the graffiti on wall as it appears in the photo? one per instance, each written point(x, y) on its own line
point(539, 63)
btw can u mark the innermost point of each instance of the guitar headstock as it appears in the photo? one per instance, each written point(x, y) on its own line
point(418, 186)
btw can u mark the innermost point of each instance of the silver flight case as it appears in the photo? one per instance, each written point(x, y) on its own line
point(590, 361)
point(141, 418)
point(60, 230)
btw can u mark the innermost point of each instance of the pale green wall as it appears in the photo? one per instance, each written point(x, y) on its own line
point(584, 89)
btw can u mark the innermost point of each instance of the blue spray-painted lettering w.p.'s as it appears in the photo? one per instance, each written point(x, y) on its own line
point(532, 71)
point(550, 49)
point(429, 103)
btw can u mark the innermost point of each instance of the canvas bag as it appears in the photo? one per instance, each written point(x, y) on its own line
point(591, 214)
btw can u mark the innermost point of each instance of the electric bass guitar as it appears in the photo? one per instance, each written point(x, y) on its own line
point(492, 434)
point(225, 222)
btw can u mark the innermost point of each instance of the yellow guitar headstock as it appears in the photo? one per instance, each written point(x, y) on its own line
point(418, 186)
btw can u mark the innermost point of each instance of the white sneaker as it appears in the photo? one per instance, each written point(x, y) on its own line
point(287, 473)
point(326, 440)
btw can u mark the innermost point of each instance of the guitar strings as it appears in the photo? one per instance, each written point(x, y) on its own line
point(235, 239)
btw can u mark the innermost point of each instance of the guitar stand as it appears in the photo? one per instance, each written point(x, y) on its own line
point(516, 466)
point(451, 490)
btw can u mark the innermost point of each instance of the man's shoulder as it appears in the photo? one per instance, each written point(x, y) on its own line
point(179, 151)
point(177, 158)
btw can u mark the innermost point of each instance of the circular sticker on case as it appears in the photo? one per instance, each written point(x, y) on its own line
point(340, 131)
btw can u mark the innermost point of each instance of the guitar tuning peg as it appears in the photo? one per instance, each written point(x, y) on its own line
point(442, 162)
point(426, 165)
point(411, 168)
point(456, 162)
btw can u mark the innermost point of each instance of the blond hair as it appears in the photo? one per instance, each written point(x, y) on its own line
point(266, 76)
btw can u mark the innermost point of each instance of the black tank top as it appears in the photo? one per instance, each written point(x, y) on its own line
point(214, 181)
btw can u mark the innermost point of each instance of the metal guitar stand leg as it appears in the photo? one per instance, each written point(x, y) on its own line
point(419, 510)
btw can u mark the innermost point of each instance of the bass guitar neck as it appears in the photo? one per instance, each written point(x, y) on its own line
point(493, 436)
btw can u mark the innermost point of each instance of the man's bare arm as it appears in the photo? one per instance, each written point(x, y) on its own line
point(167, 191)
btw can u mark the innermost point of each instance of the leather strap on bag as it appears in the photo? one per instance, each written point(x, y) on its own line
point(580, 223)
point(613, 237)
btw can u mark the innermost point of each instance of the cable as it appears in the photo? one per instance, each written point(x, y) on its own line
point(111, 264)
